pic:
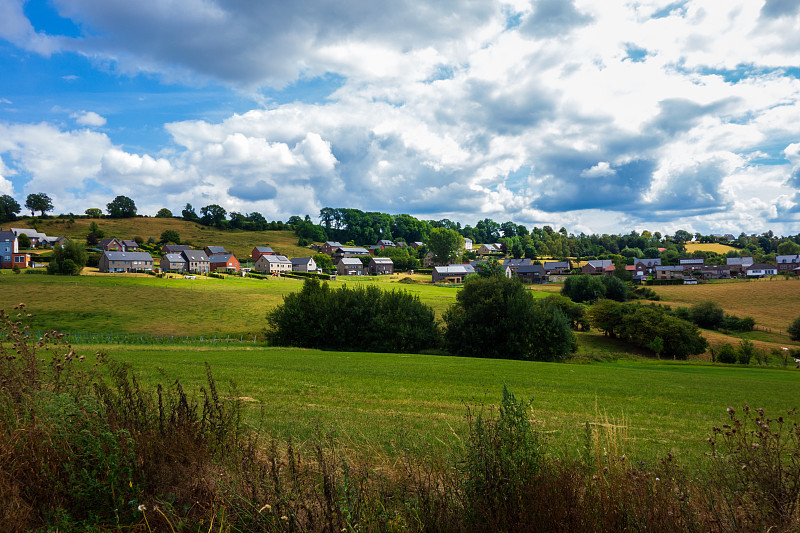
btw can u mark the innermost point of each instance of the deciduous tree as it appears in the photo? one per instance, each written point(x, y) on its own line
point(121, 207)
point(39, 202)
point(446, 245)
point(9, 208)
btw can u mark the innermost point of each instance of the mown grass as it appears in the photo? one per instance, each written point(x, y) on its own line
point(238, 242)
point(376, 399)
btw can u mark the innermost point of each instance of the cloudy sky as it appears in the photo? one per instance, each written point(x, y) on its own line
point(596, 115)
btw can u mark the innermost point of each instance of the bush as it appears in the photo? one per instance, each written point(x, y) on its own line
point(497, 318)
point(575, 313)
point(708, 315)
point(615, 288)
point(734, 323)
point(794, 329)
point(727, 354)
point(583, 288)
point(746, 352)
point(361, 318)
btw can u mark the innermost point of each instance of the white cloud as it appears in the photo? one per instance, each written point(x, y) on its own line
point(600, 170)
point(88, 118)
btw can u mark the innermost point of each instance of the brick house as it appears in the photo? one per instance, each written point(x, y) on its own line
point(258, 251)
point(787, 262)
point(514, 264)
point(214, 250)
point(598, 266)
point(224, 261)
point(329, 247)
point(557, 267)
point(350, 266)
point(111, 262)
point(174, 248)
point(667, 272)
point(111, 245)
point(380, 266)
point(531, 274)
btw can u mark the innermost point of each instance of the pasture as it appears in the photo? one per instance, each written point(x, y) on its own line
point(371, 400)
point(715, 247)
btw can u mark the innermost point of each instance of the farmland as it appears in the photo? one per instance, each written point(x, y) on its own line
point(715, 247)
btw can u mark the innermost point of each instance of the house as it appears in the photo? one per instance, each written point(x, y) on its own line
point(417, 244)
point(214, 250)
point(9, 251)
point(328, 247)
point(196, 261)
point(715, 272)
point(487, 249)
point(174, 248)
point(692, 264)
point(113, 262)
point(787, 262)
point(514, 264)
point(380, 265)
point(51, 242)
point(531, 274)
point(668, 272)
point(557, 267)
point(598, 266)
point(111, 245)
point(258, 251)
point(467, 244)
point(273, 264)
point(129, 246)
point(349, 251)
point(37, 238)
point(738, 265)
point(223, 261)
point(172, 262)
point(385, 243)
point(452, 273)
point(758, 270)
point(350, 266)
point(304, 264)
point(645, 265)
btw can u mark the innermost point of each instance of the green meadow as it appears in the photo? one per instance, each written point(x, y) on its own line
point(374, 400)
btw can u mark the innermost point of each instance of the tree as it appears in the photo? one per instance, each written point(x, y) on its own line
point(189, 213)
point(39, 202)
point(170, 235)
point(68, 259)
point(323, 261)
point(164, 213)
point(446, 245)
point(121, 207)
point(95, 229)
point(496, 317)
point(794, 329)
point(9, 208)
point(491, 268)
point(24, 241)
point(93, 212)
point(212, 215)
point(583, 288)
point(708, 315)
point(615, 288)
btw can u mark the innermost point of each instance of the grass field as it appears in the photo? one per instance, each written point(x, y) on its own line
point(240, 243)
point(376, 399)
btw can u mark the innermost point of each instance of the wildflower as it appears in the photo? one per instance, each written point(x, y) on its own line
point(266, 507)
point(658, 479)
point(284, 517)
point(142, 508)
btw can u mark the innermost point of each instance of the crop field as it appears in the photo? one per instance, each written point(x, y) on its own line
point(716, 247)
point(373, 400)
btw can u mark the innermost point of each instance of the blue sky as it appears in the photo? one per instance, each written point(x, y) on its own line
point(599, 116)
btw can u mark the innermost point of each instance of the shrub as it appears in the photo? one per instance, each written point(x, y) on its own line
point(361, 318)
point(615, 288)
point(708, 315)
point(727, 354)
point(575, 313)
point(745, 352)
point(734, 323)
point(583, 288)
point(794, 329)
point(497, 318)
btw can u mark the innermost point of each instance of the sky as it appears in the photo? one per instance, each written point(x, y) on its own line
point(601, 116)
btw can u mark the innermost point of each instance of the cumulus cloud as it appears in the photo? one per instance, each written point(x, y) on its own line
point(88, 118)
point(599, 170)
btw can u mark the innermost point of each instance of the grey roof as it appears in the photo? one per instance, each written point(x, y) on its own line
point(7, 235)
point(556, 264)
point(383, 260)
point(169, 248)
point(195, 255)
point(351, 261)
point(743, 261)
point(173, 258)
point(130, 243)
point(300, 260)
point(385, 242)
point(601, 263)
point(219, 258)
point(216, 250)
point(787, 259)
point(128, 256)
point(530, 269)
point(32, 233)
point(335, 244)
point(352, 250)
point(106, 242)
point(669, 268)
point(454, 269)
point(275, 259)
point(762, 266)
point(691, 261)
point(263, 249)
point(516, 262)
point(648, 262)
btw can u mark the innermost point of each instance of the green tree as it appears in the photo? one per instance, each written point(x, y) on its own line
point(189, 213)
point(446, 245)
point(93, 212)
point(708, 315)
point(24, 241)
point(68, 259)
point(491, 268)
point(497, 318)
point(39, 202)
point(164, 213)
point(95, 229)
point(726, 354)
point(323, 261)
point(212, 215)
point(583, 288)
point(794, 329)
point(170, 235)
point(121, 207)
point(788, 248)
point(615, 288)
point(9, 208)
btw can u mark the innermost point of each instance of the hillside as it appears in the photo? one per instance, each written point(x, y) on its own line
point(715, 247)
point(238, 242)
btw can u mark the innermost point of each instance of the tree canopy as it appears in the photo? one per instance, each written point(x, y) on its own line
point(446, 245)
point(39, 202)
point(9, 208)
point(121, 207)
point(164, 213)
